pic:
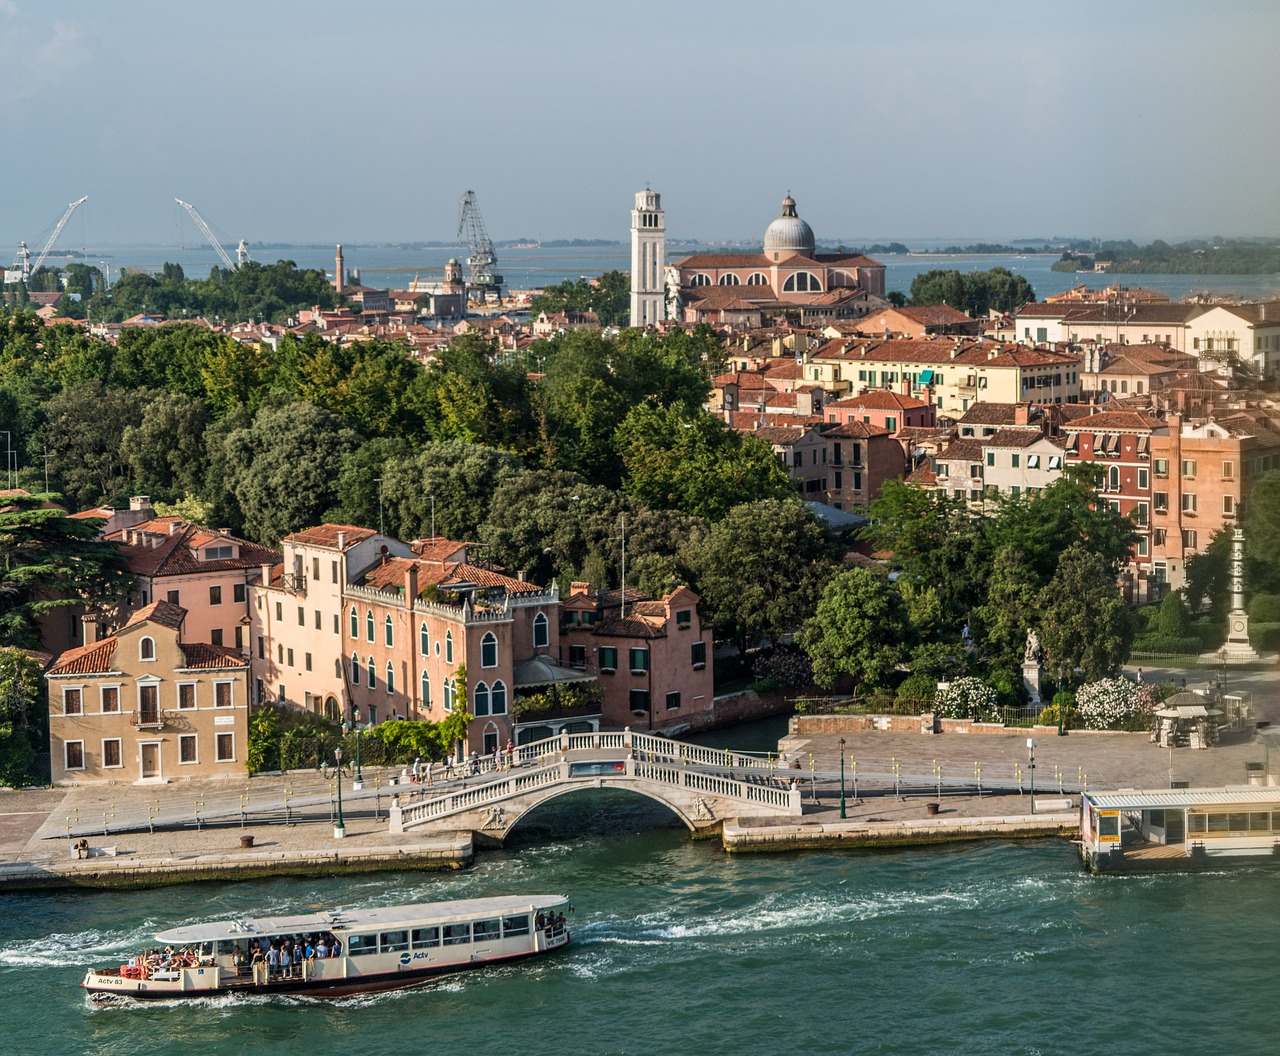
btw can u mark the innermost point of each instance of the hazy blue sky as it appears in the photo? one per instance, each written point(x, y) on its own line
point(320, 121)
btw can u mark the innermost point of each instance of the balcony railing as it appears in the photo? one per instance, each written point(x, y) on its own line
point(149, 719)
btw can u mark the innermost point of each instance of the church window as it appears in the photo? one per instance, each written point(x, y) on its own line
point(729, 279)
point(802, 282)
point(758, 279)
point(699, 279)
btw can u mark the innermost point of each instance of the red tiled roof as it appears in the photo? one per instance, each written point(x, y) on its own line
point(199, 657)
point(93, 659)
point(163, 613)
point(326, 535)
point(984, 413)
point(880, 399)
point(1115, 421)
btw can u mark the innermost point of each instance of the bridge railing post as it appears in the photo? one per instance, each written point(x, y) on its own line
point(626, 737)
point(564, 740)
point(564, 769)
point(396, 815)
point(795, 799)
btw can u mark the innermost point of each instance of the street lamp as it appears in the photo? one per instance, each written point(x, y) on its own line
point(842, 810)
point(358, 783)
point(1062, 707)
point(1031, 765)
point(339, 829)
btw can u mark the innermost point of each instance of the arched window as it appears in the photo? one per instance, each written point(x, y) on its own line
point(147, 649)
point(481, 699)
point(758, 279)
point(802, 282)
point(498, 698)
point(355, 624)
point(700, 279)
point(368, 624)
point(355, 669)
point(448, 647)
point(387, 632)
point(424, 640)
point(541, 639)
point(391, 678)
point(373, 674)
point(426, 691)
point(1113, 478)
point(843, 279)
point(489, 650)
point(729, 279)
point(448, 694)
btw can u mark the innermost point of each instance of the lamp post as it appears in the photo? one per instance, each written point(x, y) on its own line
point(842, 809)
point(1062, 707)
point(339, 828)
point(358, 783)
point(1031, 766)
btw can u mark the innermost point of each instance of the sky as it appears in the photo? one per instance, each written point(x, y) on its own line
point(313, 121)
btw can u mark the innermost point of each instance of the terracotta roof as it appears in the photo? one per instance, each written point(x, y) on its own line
point(163, 613)
point(968, 449)
point(984, 413)
point(882, 400)
point(199, 656)
point(1013, 438)
point(856, 431)
point(778, 435)
point(631, 627)
point(94, 659)
point(726, 260)
point(326, 535)
point(164, 546)
point(1114, 421)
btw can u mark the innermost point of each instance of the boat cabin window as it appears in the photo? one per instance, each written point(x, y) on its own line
point(425, 937)
point(395, 941)
point(455, 934)
point(362, 945)
point(484, 930)
point(226, 947)
point(516, 925)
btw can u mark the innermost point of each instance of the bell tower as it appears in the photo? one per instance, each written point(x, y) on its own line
point(648, 260)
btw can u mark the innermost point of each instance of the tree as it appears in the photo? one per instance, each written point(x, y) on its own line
point(694, 463)
point(451, 483)
point(1084, 622)
point(165, 452)
point(21, 704)
point(84, 435)
point(760, 569)
point(284, 468)
point(860, 629)
point(1208, 575)
point(1009, 609)
point(1262, 532)
point(49, 561)
point(975, 292)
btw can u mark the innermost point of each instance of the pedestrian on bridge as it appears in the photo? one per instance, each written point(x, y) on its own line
point(427, 772)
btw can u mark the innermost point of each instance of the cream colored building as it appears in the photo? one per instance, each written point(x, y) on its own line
point(146, 706)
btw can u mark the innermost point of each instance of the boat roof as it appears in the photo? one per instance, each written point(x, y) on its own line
point(349, 920)
point(1155, 798)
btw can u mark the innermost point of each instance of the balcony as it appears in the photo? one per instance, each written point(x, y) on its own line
point(149, 719)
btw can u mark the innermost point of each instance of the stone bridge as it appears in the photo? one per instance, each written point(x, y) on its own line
point(701, 786)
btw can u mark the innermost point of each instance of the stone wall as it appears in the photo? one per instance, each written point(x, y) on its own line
point(928, 723)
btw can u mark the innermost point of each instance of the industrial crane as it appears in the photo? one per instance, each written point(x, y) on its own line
point(481, 260)
point(23, 264)
point(242, 250)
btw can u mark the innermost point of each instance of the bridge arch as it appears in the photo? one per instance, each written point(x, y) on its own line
point(515, 811)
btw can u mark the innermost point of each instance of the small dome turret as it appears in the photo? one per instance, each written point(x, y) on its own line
point(788, 234)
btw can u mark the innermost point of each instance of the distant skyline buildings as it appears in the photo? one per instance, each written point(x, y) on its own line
point(915, 120)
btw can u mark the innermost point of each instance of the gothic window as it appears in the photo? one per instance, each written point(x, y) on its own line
point(391, 678)
point(482, 699)
point(355, 669)
point(498, 698)
point(355, 624)
point(489, 650)
point(368, 624)
point(424, 640)
point(426, 690)
point(373, 674)
point(388, 631)
point(448, 647)
point(541, 638)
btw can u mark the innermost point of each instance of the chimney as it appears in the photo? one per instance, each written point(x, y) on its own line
point(577, 587)
point(411, 582)
point(140, 502)
point(92, 628)
point(1021, 413)
point(342, 540)
point(522, 575)
point(266, 575)
point(175, 527)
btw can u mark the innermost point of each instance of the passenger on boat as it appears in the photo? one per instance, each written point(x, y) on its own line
point(237, 958)
point(322, 948)
point(273, 960)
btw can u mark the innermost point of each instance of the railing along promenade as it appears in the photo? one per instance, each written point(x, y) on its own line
point(639, 758)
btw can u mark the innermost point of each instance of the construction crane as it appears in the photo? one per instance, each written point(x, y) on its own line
point(242, 250)
point(23, 263)
point(481, 260)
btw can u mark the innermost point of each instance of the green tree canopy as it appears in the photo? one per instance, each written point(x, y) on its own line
point(975, 292)
point(1084, 623)
point(860, 629)
point(21, 703)
point(455, 479)
point(761, 568)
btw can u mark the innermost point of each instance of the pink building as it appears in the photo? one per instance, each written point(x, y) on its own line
point(883, 408)
point(652, 659)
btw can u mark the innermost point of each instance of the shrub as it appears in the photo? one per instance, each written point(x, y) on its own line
point(1265, 608)
point(919, 685)
point(789, 668)
point(1172, 620)
point(1265, 636)
point(1115, 703)
point(1049, 716)
point(1156, 643)
point(1009, 686)
point(968, 698)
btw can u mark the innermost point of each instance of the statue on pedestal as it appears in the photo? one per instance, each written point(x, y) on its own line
point(1033, 654)
point(1031, 666)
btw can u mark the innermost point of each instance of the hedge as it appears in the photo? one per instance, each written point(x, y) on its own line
point(1264, 609)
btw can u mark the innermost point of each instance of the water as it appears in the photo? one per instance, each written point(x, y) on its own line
point(679, 949)
point(396, 266)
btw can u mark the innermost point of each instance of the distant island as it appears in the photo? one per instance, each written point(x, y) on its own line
point(1241, 256)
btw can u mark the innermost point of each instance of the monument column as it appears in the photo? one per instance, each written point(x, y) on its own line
point(1237, 647)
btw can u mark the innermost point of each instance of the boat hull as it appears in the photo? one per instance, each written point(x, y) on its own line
point(101, 986)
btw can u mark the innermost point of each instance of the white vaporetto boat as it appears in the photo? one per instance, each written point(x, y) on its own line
point(340, 952)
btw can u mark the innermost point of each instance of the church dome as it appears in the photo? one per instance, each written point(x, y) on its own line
point(788, 234)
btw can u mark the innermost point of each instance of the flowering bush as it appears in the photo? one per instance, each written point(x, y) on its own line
point(1115, 703)
point(784, 667)
point(968, 698)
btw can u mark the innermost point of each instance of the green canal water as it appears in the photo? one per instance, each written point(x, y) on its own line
point(998, 948)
